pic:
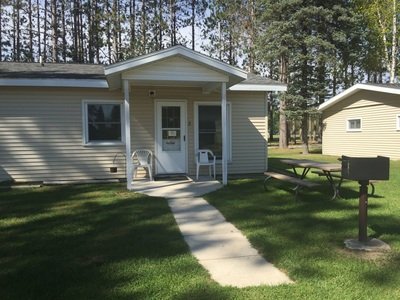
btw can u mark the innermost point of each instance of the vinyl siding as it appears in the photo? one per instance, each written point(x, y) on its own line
point(175, 69)
point(41, 136)
point(379, 134)
point(41, 132)
point(247, 118)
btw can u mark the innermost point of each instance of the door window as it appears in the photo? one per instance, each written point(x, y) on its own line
point(171, 128)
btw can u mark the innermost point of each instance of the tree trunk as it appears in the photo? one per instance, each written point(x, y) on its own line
point(193, 22)
point(45, 32)
point(30, 45)
point(304, 133)
point(132, 25)
point(144, 27)
point(63, 32)
point(38, 27)
point(115, 31)
point(270, 116)
point(161, 24)
point(394, 44)
point(283, 126)
point(172, 12)
point(54, 26)
point(1, 31)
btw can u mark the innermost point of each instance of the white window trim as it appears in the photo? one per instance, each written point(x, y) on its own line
point(398, 122)
point(196, 125)
point(353, 129)
point(85, 136)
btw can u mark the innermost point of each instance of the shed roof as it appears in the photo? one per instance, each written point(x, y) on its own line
point(382, 88)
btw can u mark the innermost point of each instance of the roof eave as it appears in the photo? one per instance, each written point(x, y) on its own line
point(54, 82)
point(259, 87)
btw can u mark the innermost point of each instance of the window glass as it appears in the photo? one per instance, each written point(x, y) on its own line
point(210, 129)
point(354, 124)
point(171, 128)
point(104, 122)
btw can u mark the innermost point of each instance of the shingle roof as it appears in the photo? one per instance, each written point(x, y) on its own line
point(51, 70)
point(258, 79)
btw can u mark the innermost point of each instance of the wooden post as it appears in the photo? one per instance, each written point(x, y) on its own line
point(224, 134)
point(127, 119)
point(363, 211)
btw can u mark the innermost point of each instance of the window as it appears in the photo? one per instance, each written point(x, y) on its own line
point(103, 122)
point(354, 124)
point(208, 128)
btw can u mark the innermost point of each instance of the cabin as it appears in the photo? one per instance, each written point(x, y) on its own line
point(363, 120)
point(76, 122)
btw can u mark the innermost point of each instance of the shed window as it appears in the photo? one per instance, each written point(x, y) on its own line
point(354, 124)
point(103, 123)
point(209, 128)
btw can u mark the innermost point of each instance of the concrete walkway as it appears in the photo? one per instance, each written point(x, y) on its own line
point(217, 244)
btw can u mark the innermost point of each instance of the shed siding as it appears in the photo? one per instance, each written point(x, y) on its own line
point(248, 124)
point(379, 135)
point(41, 136)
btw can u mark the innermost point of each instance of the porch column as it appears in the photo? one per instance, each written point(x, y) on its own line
point(127, 118)
point(224, 135)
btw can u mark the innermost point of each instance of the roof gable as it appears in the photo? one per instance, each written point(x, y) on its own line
point(382, 88)
point(175, 68)
point(173, 51)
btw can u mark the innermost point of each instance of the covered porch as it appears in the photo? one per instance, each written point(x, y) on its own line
point(165, 96)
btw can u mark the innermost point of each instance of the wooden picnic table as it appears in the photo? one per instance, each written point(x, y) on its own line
point(326, 168)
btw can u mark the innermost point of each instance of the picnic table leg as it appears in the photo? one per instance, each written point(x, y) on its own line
point(302, 176)
point(265, 182)
point(335, 187)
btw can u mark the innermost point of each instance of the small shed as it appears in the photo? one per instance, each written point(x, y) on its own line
point(363, 120)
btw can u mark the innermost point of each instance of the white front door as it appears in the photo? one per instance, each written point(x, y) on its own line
point(171, 154)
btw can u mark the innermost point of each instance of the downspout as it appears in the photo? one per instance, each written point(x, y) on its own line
point(127, 135)
point(224, 134)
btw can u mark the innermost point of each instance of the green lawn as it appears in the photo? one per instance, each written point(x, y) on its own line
point(101, 242)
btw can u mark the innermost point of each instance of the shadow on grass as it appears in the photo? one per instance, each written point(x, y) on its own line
point(303, 237)
point(87, 242)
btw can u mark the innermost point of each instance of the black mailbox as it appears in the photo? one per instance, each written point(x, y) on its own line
point(365, 168)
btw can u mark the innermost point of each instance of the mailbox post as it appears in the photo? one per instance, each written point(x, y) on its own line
point(364, 169)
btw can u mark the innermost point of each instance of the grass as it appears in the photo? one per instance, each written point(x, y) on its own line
point(100, 242)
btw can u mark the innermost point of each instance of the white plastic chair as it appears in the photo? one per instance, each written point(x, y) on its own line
point(142, 158)
point(203, 159)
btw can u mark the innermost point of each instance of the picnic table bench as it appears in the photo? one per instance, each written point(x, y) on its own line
point(326, 169)
point(291, 179)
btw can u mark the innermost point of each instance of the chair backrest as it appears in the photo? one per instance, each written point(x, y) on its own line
point(202, 155)
point(143, 156)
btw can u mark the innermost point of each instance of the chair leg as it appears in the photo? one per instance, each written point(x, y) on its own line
point(134, 172)
point(150, 174)
point(214, 171)
point(197, 172)
point(209, 171)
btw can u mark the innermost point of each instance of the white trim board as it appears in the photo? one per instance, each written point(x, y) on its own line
point(258, 87)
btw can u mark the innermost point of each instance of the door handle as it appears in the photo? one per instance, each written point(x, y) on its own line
point(184, 138)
